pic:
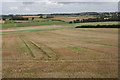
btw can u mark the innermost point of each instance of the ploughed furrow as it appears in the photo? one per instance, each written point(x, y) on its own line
point(28, 47)
point(43, 51)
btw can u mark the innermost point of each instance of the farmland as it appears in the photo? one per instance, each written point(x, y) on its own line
point(51, 46)
point(60, 52)
point(1, 21)
point(36, 22)
point(67, 19)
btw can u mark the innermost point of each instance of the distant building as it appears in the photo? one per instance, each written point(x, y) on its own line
point(8, 19)
point(47, 16)
point(106, 18)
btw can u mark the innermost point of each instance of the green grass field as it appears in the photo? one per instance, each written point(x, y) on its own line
point(13, 25)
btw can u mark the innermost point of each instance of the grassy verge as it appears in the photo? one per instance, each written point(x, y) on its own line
point(45, 29)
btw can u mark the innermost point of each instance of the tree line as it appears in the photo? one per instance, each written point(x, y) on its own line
point(15, 18)
point(95, 20)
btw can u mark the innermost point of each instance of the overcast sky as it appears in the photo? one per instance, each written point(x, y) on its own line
point(55, 6)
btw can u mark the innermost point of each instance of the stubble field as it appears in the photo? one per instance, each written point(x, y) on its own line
point(63, 53)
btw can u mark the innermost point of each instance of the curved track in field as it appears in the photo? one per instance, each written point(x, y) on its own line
point(32, 28)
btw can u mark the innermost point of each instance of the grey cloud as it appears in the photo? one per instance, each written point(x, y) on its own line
point(57, 7)
point(95, 3)
point(28, 3)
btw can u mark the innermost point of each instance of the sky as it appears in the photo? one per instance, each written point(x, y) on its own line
point(57, 6)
